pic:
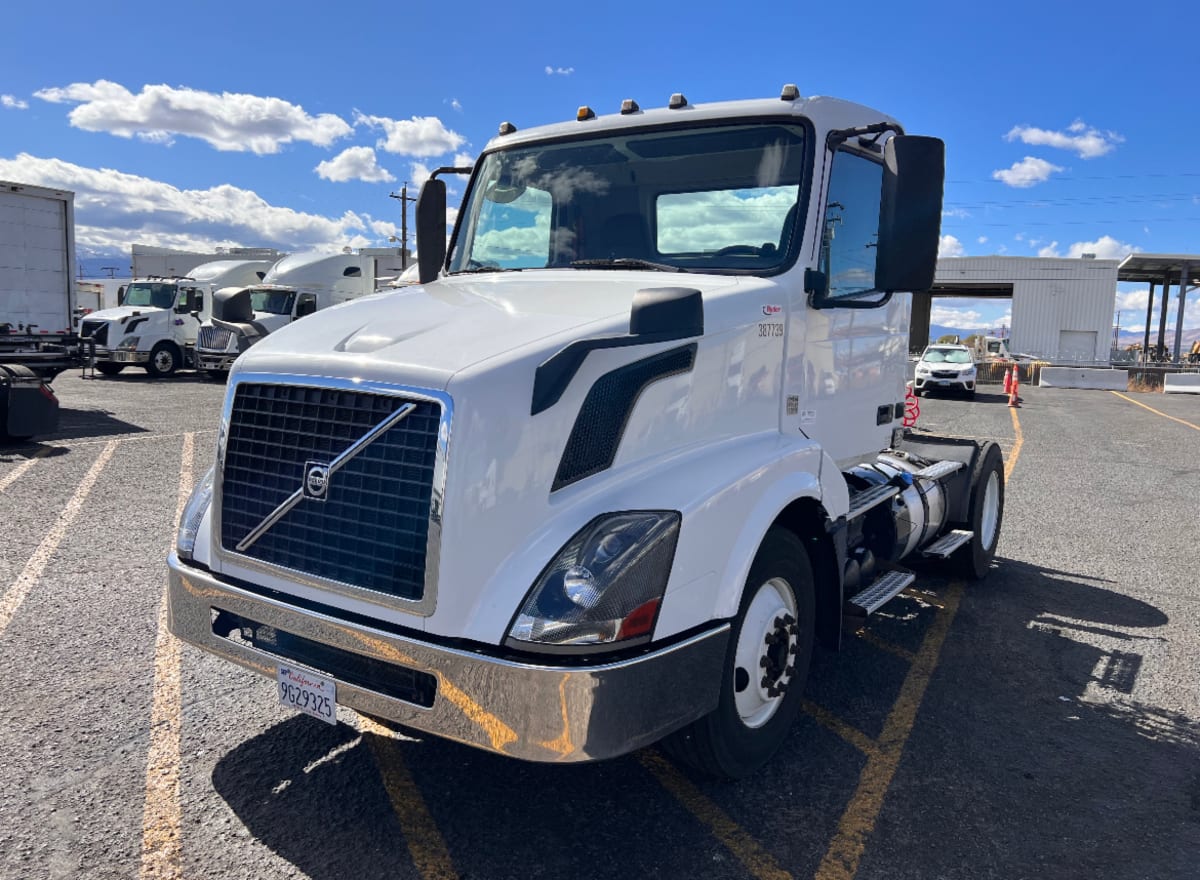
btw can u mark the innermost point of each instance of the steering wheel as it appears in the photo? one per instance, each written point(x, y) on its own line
point(741, 249)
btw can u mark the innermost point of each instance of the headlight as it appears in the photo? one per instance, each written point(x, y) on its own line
point(193, 513)
point(232, 345)
point(922, 370)
point(604, 587)
point(129, 343)
point(968, 372)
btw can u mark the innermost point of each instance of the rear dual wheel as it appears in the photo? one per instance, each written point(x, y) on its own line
point(765, 669)
point(986, 512)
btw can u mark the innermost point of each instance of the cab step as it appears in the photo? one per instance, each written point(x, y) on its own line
point(937, 470)
point(863, 501)
point(882, 589)
point(948, 543)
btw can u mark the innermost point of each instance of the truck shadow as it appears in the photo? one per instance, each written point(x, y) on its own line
point(1032, 741)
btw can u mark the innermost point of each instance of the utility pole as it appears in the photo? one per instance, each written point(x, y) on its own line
point(404, 198)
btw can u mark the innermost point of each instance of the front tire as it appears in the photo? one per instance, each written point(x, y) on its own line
point(107, 369)
point(766, 666)
point(164, 360)
point(974, 559)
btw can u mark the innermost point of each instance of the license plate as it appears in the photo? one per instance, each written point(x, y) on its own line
point(309, 692)
point(943, 382)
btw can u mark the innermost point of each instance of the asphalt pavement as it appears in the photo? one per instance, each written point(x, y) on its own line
point(1042, 723)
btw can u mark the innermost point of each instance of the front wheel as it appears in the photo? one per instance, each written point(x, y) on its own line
point(108, 369)
point(765, 669)
point(164, 360)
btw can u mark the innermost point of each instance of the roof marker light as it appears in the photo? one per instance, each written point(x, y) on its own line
point(629, 106)
point(790, 92)
point(507, 128)
point(585, 112)
point(677, 101)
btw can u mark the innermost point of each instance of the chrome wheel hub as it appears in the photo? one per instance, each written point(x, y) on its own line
point(764, 661)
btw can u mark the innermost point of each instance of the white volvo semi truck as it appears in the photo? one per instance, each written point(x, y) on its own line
point(156, 324)
point(630, 449)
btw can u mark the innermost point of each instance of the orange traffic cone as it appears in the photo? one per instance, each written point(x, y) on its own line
point(1013, 398)
point(1007, 381)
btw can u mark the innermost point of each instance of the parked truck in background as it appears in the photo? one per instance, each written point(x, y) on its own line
point(156, 324)
point(37, 304)
point(630, 448)
point(296, 286)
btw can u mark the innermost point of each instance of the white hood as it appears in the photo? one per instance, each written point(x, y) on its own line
point(424, 335)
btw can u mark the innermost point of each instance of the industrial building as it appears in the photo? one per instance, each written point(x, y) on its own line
point(1062, 309)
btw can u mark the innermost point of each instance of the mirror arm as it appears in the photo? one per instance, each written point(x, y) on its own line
point(451, 169)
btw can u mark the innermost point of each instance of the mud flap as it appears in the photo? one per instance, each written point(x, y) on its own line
point(27, 405)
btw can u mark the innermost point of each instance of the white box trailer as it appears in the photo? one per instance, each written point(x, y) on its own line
point(37, 252)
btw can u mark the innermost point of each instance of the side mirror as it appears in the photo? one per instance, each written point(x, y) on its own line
point(305, 307)
point(233, 306)
point(910, 213)
point(431, 229)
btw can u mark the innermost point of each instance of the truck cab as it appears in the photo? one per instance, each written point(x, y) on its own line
point(156, 324)
point(631, 447)
point(296, 286)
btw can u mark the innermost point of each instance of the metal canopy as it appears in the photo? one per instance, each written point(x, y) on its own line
point(1156, 267)
point(1182, 270)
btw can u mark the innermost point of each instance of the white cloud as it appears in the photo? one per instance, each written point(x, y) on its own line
point(11, 102)
point(958, 213)
point(420, 136)
point(982, 239)
point(464, 160)
point(229, 121)
point(1026, 173)
point(949, 246)
point(354, 163)
point(418, 173)
point(114, 209)
point(559, 71)
point(1079, 138)
point(454, 102)
point(1105, 248)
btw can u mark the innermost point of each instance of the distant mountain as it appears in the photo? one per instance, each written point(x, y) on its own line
point(1189, 337)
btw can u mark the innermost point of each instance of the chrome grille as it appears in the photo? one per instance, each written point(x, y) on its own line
point(97, 330)
point(372, 528)
point(213, 338)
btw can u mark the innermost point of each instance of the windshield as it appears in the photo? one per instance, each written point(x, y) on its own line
point(691, 199)
point(273, 302)
point(946, 356)
point(148, 293)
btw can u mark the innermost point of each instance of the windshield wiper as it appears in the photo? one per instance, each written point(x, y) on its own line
point(478, 269)
point(624, 263)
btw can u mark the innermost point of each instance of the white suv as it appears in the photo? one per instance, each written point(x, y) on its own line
point(945, 368)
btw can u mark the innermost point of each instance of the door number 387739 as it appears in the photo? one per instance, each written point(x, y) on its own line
point(773, 329)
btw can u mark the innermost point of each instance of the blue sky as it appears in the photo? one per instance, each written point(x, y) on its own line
point(218, 124)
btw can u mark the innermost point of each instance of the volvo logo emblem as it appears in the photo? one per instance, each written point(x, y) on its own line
point(316, 480)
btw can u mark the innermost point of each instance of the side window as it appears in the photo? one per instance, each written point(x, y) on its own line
point(306, 305)
point(851, 231)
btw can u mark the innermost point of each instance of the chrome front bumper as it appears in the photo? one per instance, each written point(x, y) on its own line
point(126, 357)
point(206, 360)
point(537, 712)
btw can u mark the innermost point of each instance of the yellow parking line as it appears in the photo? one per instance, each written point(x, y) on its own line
point(757, 860)
point(1156, 412)
point(425, 842)
point(1015, 452)
point(15, 473)
point(161, 820)
point(15, 595)
point(848, 732)
point(858, 821)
